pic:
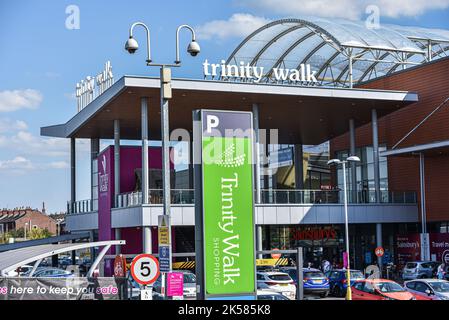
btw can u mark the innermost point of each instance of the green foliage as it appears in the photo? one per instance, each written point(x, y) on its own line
point(39, 233)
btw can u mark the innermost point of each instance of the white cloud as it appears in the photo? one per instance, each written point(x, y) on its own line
point(18, 165)
point(13, 100)
point(238, 25)
point(348, 9)
point(8, 125)
point(58, 165)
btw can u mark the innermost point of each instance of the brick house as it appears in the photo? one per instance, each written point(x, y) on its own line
point(15, 219)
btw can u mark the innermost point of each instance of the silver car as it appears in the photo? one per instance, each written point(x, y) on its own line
point(428, 289)
point(419, 270)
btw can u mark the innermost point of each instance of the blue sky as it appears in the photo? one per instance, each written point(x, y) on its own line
point(41, 61)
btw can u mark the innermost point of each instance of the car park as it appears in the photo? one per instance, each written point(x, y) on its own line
point(270, 295)
point(379, 289)
point(277, 281)
point(419, 270)
point(338, 282)
point(428, 289)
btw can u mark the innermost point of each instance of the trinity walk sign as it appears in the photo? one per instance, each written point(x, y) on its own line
point(227, 206)
point(252, 73)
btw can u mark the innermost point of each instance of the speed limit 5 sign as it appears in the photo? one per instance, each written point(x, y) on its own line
point(145, 269)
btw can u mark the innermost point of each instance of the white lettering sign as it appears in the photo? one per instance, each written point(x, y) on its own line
point(90, 88)
point(303, 74)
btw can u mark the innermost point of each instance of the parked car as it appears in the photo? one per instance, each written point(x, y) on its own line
point(189, 284)
point(315, 282)
point(45, 272)
point(20, 271)
point(276, 281)
point(338, 281)
point(428, 289)
point(379, 289)
point(270, 295)
point(419, 270)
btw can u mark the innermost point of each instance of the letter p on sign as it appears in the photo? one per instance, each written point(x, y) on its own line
point(211, 122)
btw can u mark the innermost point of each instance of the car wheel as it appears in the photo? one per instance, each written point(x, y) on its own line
point(324, 294)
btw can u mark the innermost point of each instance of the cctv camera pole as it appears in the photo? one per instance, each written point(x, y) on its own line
point(166, 94)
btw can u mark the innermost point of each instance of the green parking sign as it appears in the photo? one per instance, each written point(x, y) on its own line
point(228, 208)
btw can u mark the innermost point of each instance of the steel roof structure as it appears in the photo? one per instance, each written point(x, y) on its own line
point(343, 53)
point(11, 260)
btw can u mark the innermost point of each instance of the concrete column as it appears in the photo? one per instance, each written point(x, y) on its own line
point(191, 186)
point(259, 242)
point(144, 126)
point(353, 165)
point(72, 171)
point(257, 153)
point(116, 160)
point(376, 154)
point(379, 244)
point(118, 236)
point(299, 166)
point(94, 151)
point(147, 240)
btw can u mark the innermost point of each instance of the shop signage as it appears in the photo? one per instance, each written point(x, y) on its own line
point(228, 213)
point(91, 87)
point(314, 234)
point(253, 73)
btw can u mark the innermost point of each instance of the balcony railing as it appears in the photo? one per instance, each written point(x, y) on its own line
point(268, 196)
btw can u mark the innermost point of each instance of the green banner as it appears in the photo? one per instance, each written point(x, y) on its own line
point(229, 255)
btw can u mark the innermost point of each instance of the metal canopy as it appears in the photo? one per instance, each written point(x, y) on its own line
point(329, 46)
point(11, 260)
point(310, 115)
point(437, 148)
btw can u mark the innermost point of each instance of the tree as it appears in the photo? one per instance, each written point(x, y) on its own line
point(39, 233)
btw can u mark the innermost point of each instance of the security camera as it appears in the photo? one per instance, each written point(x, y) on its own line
point(131, 45)
point(193, 48)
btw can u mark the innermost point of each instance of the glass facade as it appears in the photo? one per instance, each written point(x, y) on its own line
point(365, 170)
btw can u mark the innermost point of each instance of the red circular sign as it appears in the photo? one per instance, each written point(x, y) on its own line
point(276, 255)
point(145, 269)
point(379, 251)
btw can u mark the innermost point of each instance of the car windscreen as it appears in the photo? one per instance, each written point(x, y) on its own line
point(411, 265)
point(313, 274)
point(442, 287)
point(386, 287)
point(280, 277)
point(189, 278)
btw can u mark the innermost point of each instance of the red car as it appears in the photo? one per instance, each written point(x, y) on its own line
point(379, 289)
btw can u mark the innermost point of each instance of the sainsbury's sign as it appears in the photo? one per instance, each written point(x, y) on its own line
point(245, 71)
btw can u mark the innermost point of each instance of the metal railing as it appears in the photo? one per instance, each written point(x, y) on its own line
point(80, 206)
point(178, 196)
point(268, 196)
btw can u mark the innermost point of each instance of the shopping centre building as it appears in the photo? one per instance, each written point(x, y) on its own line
point(307, 83)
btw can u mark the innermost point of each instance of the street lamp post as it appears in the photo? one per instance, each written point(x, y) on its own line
point(345, 201)
point(166, 94)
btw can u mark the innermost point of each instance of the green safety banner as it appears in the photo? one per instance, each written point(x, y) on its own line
point(228, 208)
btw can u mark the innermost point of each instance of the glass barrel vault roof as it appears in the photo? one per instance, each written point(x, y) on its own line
point(327, 45)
